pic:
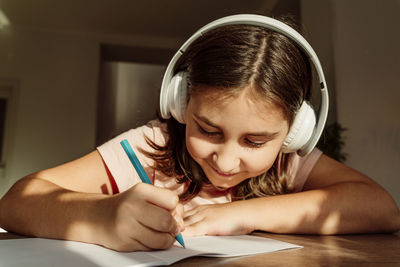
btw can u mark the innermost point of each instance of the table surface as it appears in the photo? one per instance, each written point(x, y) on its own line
point(339, 250)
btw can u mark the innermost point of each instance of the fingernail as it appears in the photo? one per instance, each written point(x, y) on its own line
point(177, 231)
point(177, 218)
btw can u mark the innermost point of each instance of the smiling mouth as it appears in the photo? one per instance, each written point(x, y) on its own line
point(223, 174)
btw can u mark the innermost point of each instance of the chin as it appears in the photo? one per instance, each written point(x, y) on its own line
point(222, 185)
point(222, 188)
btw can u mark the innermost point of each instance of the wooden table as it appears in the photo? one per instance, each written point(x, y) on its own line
point(340, 250)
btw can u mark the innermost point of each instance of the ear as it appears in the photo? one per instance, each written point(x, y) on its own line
point(301, 130)
point(176, 96)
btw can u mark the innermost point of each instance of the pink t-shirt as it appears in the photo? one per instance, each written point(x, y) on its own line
point(125, 175)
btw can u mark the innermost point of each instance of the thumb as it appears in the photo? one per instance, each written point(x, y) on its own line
point(177, 213)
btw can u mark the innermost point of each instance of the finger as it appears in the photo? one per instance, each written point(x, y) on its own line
point(156, 218)
point(156, 240)
point(190, 213)
point(151, 239)
point(195, 218)
point(132, 245)
point(193, 230)
point(161, 197)
point(179, 210)
point(178, 216)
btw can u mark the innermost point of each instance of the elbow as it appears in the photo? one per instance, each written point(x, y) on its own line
point(386, 217)
point(383, 212)
point(12, 196)
point(378, 213)
point(13, 203)
point(396, 227)
point(6, 200)
point(393, 222)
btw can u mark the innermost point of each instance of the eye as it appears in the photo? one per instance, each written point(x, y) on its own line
point(207, 133)
point(253, 144)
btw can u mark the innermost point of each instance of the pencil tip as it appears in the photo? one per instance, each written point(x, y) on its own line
point(180, 240)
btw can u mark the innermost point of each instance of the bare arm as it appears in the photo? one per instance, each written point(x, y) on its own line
point(336, 200)
point(67, 202)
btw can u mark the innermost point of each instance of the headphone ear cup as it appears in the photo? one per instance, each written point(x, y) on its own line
point(175, 99)
point(302, 129)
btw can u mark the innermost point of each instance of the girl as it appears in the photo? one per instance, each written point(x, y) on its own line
point(223, 169)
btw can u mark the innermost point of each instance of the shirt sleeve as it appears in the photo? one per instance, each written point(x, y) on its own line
point(301, 167)
point(117, 161)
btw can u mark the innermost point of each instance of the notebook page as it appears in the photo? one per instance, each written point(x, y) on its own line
point(222, 246)
point(37, 252)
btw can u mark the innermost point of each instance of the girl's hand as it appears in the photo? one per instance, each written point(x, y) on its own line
point(141, 218)
point(217, 219)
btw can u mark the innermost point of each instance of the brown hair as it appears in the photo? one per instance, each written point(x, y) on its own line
point(229, 59)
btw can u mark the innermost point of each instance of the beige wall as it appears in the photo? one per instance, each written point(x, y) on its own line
point(358, 44)
point(367, 60)
point(56, 75)
point(56, 80)
point(129, 96)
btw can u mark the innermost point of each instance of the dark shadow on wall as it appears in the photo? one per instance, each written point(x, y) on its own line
point(106, 107)
point(332, 142)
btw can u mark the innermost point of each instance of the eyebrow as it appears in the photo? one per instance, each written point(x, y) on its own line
point(267, 134)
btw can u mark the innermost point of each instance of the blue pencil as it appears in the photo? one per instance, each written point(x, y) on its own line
point(142, 174)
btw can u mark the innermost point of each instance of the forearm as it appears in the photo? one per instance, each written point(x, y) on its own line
point(336, 209)
point(36, 207)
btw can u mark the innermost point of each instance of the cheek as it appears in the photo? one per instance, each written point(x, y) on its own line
point(258, 162)
point(196, 145)
point(198, 148)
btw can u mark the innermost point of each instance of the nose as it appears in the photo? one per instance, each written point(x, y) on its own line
point(226, 158)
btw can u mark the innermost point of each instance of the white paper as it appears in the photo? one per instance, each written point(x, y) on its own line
point(37, 252)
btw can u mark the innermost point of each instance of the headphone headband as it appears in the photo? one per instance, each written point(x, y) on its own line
point(268, 23)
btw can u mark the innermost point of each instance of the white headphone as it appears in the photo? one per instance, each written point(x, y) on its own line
point(304, 132)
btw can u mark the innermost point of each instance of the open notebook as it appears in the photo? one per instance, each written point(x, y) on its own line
point(48, 252)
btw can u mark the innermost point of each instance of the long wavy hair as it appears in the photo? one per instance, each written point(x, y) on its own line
point(229, 59)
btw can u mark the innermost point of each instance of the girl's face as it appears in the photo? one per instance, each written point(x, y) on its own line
point(233, 139)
